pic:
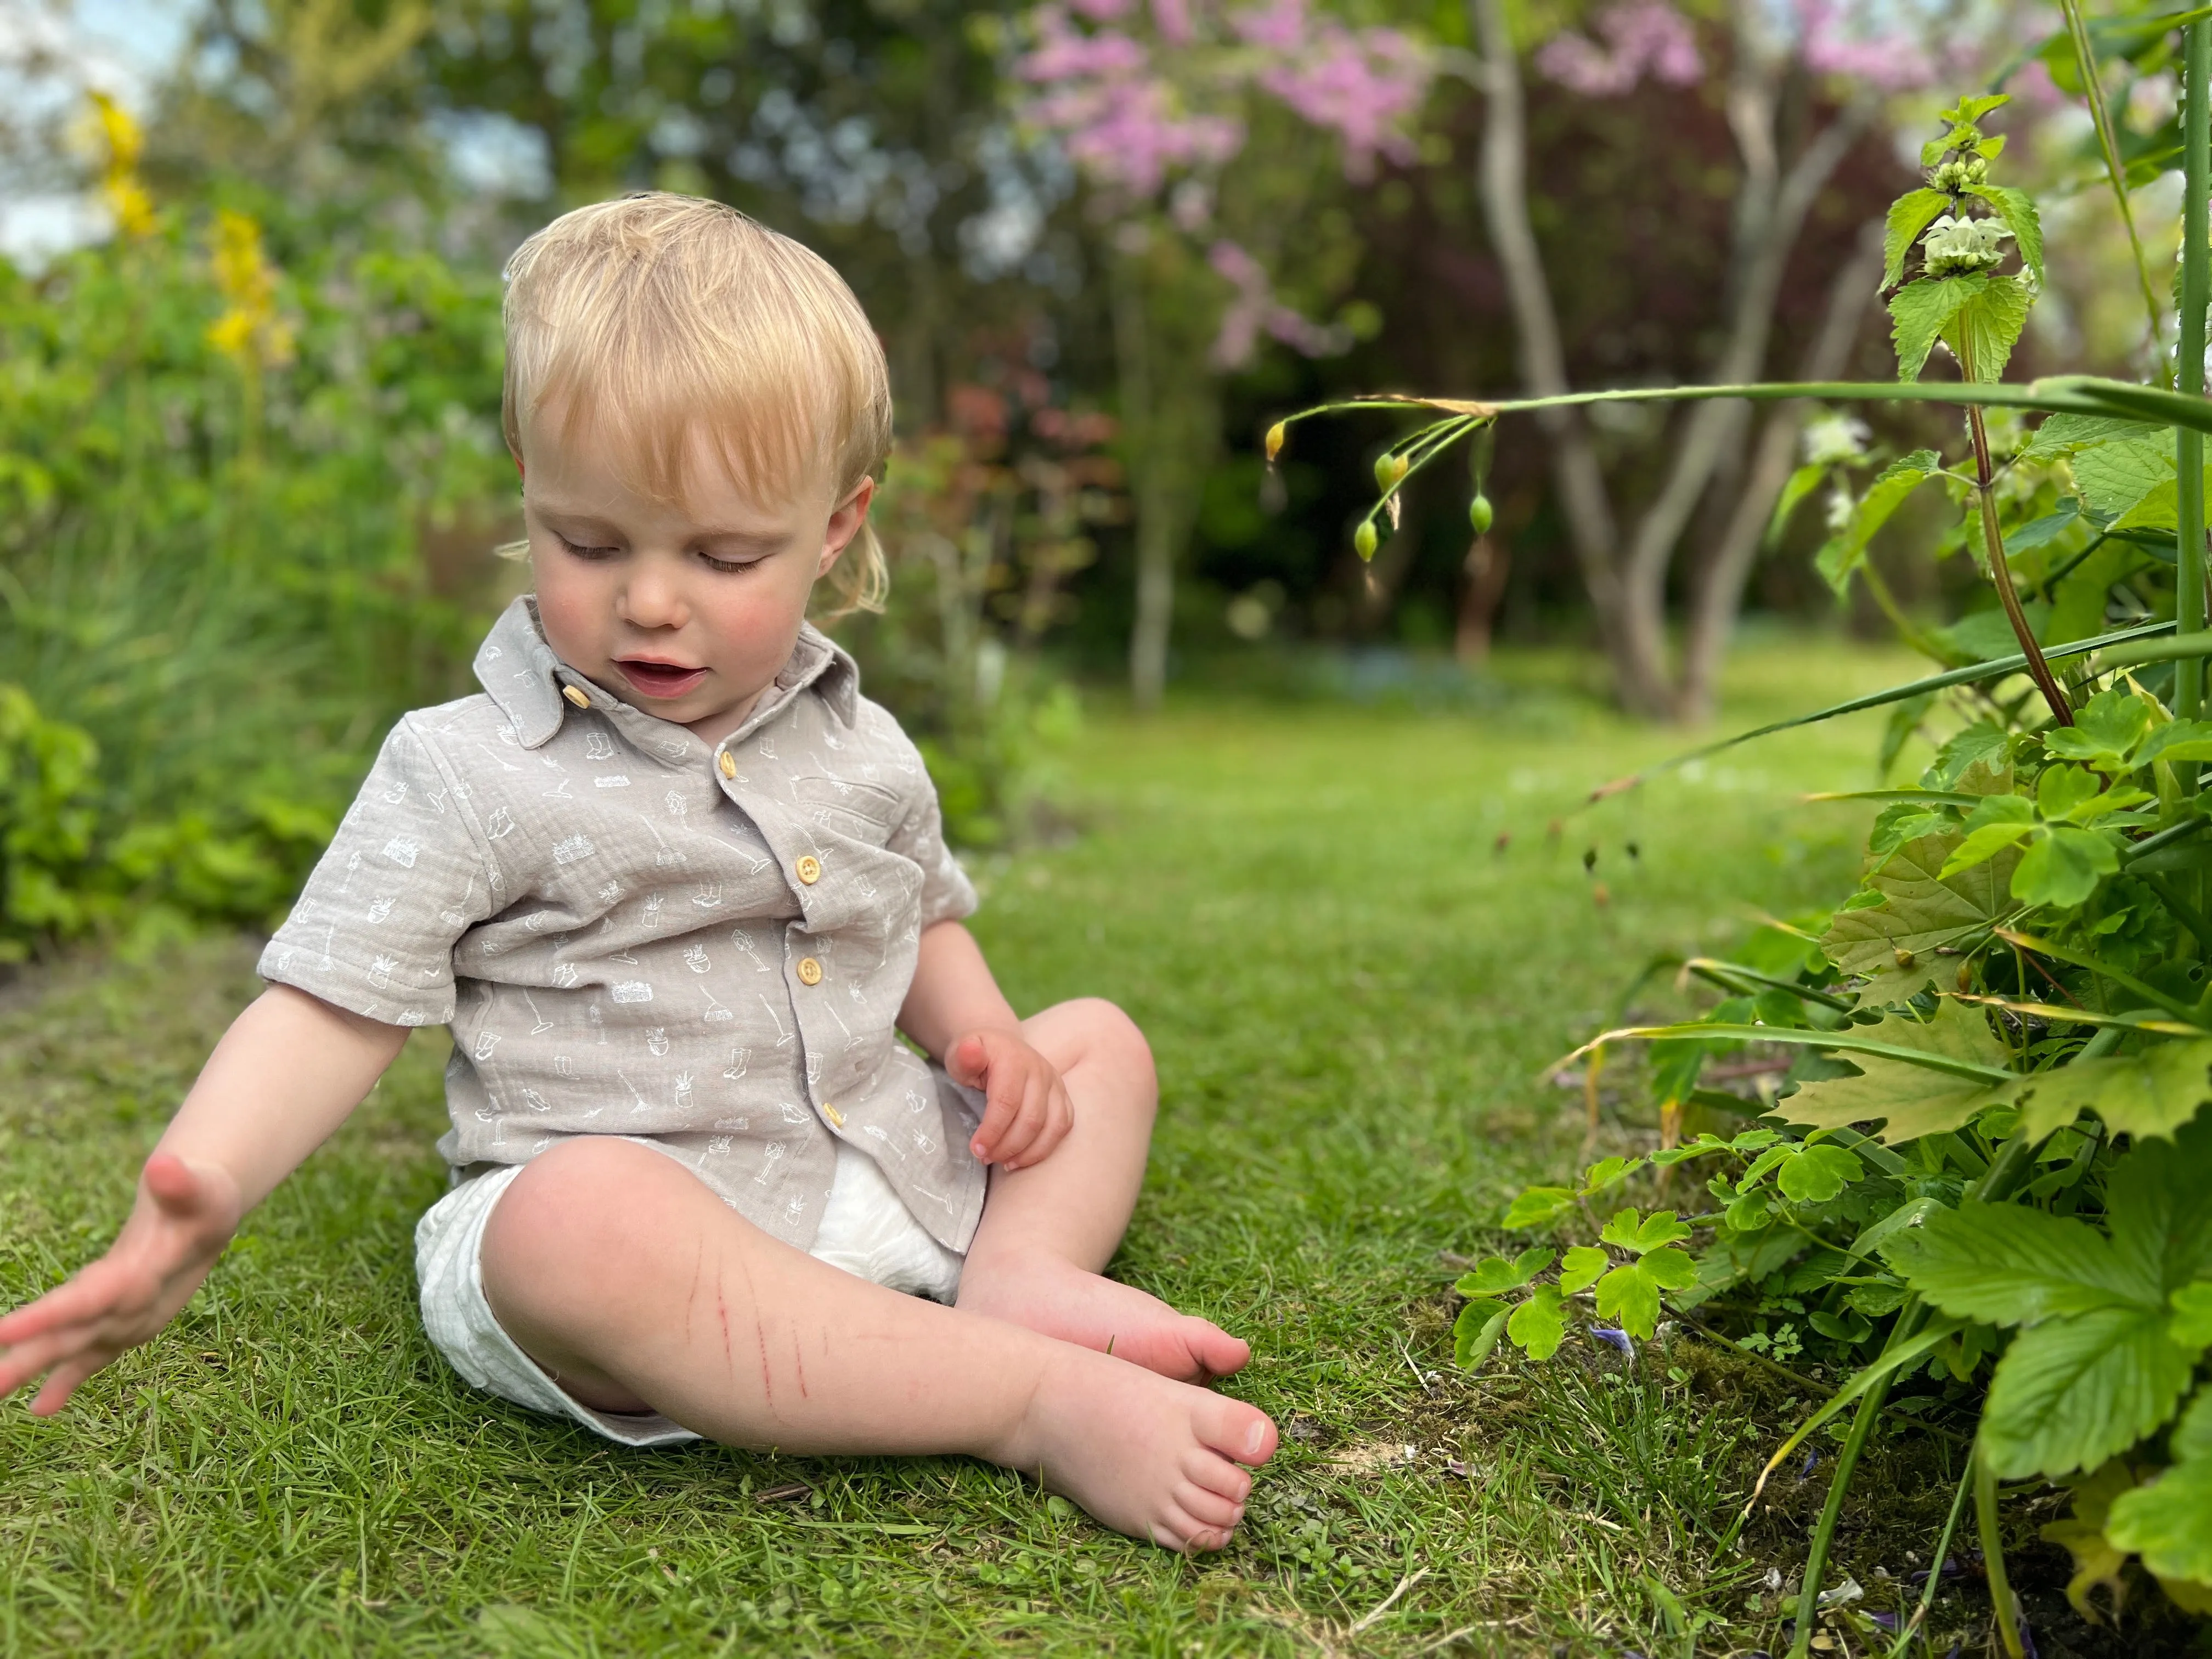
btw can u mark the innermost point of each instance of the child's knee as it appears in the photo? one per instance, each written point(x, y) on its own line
point(571, 1219)
point(1110, 1039)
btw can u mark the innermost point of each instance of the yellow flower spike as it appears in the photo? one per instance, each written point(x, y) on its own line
point(1276, 433)
point(250, 330)
point(127, 199)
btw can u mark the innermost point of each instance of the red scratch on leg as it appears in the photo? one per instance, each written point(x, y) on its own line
point(800, 1360)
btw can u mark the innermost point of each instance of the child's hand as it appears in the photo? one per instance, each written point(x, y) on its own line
point(1026, 1111)
point(185, 1216)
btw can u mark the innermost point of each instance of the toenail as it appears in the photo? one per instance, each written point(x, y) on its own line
point(1257, 1438)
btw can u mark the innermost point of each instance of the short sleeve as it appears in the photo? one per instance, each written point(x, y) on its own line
point(946, 893)
point(403, 878)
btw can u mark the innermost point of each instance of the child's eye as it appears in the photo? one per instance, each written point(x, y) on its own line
point(583, 552)
point(732, 565)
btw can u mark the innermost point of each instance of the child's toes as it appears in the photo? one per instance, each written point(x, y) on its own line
point(1208, 1507)
point(1235, 1430)
point(1209, 1469)
point(1187, 1534)
point(1220, 1354)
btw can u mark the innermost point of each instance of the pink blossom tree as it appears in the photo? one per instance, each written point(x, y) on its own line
point(1198, 129)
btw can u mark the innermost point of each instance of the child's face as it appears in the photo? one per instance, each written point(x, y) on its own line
point(684, 609)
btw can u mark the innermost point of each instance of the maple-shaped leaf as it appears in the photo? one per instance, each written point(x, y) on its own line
point(1910, 1101)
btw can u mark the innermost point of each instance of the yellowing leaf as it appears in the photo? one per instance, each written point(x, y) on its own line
point(1910, 1100)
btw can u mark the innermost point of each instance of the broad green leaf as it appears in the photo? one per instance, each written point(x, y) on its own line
point(1985, 328)
point(1630, 1293)
point(2082, 1534)
point(2114, 476)
point(1908, 215)
point(2062, 435)
point(2191, 1326)
point(2158, 1203)
point(2177, 740)
point(2106, 730)
point(2006, 1264)
point(1985, 745)
point(1494, 1275)
point(1883, 497)
point(2017, 208)
point(1920, 312)
point(2192, 1437)
point(2152, 1092)
point(1802, 483)
point(1537, 1326)
point(1910, 1101)
point(1985, 843)
point(1607, 1171)
point(2060, 789)
point(1537, 1205)
point(2169, 1522)
point(2063, 867)
point(1816, 1174)
point(1476, 1331)
point(1626, 1232)
point(2070, 1393)
point(1582, 1268)
point(1921, 909)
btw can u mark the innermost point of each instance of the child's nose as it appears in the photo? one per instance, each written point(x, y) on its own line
point(650, 599)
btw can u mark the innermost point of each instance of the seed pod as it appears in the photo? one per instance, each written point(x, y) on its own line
point(1904, 958)
point(1390, 469)
point(1363, 539)
point(1965, 977)
point(1276, 433)
point(1479, 513)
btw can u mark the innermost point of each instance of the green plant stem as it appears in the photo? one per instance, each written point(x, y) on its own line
point(1992, 1541)
point(2189, 915)
point(1909, 1318)
point(2000, 570)
point(2196, 290)
point(2093, 88)
point(1929, 1591)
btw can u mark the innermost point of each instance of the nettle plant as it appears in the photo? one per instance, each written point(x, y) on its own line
point(1984, 1184)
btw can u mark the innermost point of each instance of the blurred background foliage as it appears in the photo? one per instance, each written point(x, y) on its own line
point(250, 472)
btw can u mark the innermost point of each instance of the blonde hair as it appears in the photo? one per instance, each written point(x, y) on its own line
point(639, 321)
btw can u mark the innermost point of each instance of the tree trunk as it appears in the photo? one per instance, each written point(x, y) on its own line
point(1576, 475)
point(1488, 565)
point(1720, 588)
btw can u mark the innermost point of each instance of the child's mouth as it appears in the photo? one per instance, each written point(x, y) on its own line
point(659, 679)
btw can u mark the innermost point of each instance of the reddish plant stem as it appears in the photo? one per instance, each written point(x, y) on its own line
point(2001, 572)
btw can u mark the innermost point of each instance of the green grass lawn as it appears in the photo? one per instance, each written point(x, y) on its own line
point(1352, 985)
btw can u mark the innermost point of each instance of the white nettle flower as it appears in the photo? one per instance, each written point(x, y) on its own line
point(1960, 247)
point(1840, 508)
point(1832, 438)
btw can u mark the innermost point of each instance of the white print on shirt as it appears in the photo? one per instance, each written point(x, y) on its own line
point(718, 1146)
point(617, 782)
point(379, 970)
point(402, 850)
point(632, 990)
point(716, 1014)
point(610, 891)
point(499, 826)
point(381, 908)
point(493, 756)
point(643, 1105)
point(656, 1041)
point(684, 1091)
point(536, 1101)
point(770, 1154)
point(792, 1114)
point(543, 1024)
point(754, 863)
point(782, 1036)
point(563, 1067)
point(486, 1042)
point(739, 1124)
point(813, 1070)
point(767, 748)
point(652, 905)
point(598, 1021)
point(398, 792)
point(353, 864)
point(877, 1135)
point(667, 857)
point(735, 1070)
point(794, 1209)
point(597, 747)
point(737, 937)
point(456, 918)
point(568, 851)
point(566, 976)
point(695, 958)
point(677, 804)
point(707, 896)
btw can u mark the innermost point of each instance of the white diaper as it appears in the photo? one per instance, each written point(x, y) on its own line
point(866, 1230)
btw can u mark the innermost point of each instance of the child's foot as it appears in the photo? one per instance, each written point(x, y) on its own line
point(1145, 1456)
point(1057, 1298)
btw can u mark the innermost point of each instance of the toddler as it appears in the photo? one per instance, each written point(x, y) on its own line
point(678, 889)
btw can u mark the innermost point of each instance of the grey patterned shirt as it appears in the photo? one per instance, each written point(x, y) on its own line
point(632, 932)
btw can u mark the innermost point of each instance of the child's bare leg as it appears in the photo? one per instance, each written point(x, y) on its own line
point(1048, 1229)
point(624, 1276)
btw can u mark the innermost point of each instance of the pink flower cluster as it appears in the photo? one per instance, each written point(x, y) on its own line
point(1642, 37)
point(1131, 113)
point(1833, 41)
point(1255, 311)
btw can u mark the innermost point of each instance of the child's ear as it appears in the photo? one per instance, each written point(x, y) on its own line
point(845, 522)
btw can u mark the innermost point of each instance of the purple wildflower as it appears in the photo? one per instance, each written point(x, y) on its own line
point(1617, 1339)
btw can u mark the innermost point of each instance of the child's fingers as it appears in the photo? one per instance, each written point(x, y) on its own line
point(1021, 1146)
point(1002, 1104)
point(63, 1382)
point(968, 1062)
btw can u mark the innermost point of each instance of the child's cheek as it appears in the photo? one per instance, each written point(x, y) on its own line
point(570, 610)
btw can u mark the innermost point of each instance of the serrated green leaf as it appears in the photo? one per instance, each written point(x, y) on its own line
point(2063, 867)
point(1910, 1101)
point(1494, 1275)
point(2115, 477)
point(1476, 1331)
point(1535, 1207)
point(2070, 1393)
point(1841, 556)
point(2062, 435)
point(2169, 1521)
point(1920, 907)
point(2152, 1092)
point(2159, 1202)
point(1629, 1295)
point(1919, 314)
point(1621, 1230)
point(1985, 843)
point(2005, 1264)
point(2191, 1325)
point(2176, 740)
point(1908, 215)
point(1582, 1268)
point(1987, 326)
point(2017, 208)
point(1537, 1326)
point(1802, 483)
point(2108, 728)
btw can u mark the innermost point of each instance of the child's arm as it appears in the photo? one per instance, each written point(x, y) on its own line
point(287, 1073)
point(956, 1011)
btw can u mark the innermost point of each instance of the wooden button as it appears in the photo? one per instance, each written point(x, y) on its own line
point(809, 868)
point(729, 766)
point(810, 971)
point(576, 697)
point(836, 1118)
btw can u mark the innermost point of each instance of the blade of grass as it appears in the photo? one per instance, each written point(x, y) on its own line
point(1845, 1041)
point(2085, 63)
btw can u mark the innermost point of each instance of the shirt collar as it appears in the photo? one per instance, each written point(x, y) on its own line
point(520, 674)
